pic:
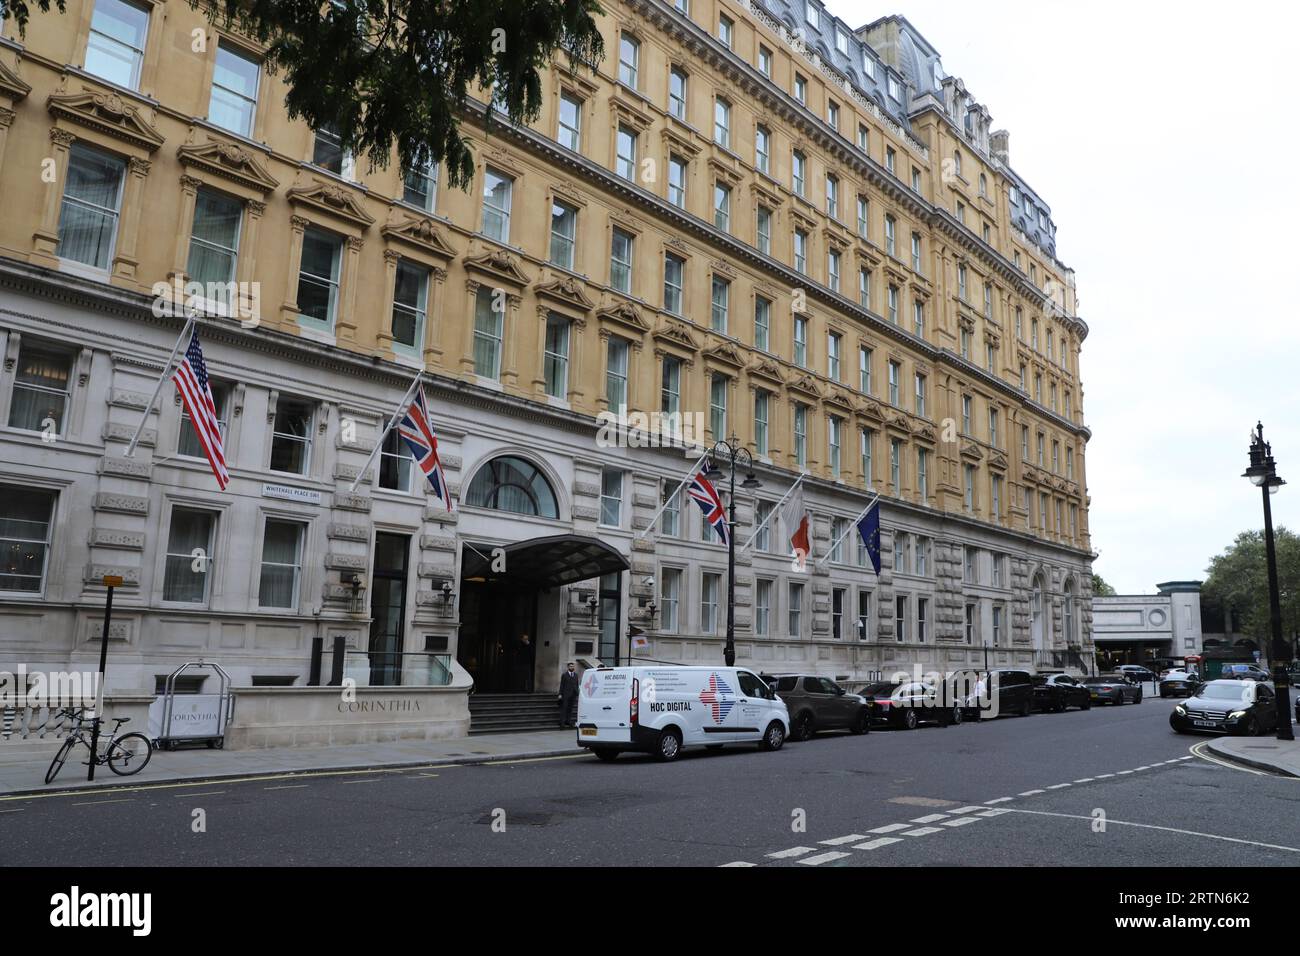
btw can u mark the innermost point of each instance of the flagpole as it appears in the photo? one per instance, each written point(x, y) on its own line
point(775, 508)
point(852, 524)
point(401, 408)
point(135, 439)
point(676, 491)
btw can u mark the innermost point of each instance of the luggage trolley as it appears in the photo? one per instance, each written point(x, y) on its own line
point(200, 717)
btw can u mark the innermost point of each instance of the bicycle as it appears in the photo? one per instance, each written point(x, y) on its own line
point(125, 755)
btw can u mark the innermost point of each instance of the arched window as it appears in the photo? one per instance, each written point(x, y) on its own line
point(513, 484)
point(1069, 613)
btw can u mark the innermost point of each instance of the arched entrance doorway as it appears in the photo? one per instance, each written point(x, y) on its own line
point(499, 600)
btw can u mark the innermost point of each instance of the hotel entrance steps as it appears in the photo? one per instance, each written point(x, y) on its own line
point(506, 713)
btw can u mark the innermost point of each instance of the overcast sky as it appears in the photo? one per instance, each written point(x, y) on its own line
point(1166, 146)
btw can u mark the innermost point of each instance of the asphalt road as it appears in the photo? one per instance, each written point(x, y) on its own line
point(1015, 791)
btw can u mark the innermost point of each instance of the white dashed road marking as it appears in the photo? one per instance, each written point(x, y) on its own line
point(1084, 780)
point(1030, 793)
point(1058, 786)
point(960, 821)
point(840, 841)
point(998, 800)
point(738, 863)
point(921, 831)
point(877, 843)
point(793, 851)
point(994, 813)
point(821, 858)
point(889, 828)
point(930, 818)
point(967, 809)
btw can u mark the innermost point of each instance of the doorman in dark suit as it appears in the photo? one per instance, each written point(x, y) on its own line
point(569, 697)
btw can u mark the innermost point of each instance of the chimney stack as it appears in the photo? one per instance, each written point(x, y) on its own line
point(1000, 145)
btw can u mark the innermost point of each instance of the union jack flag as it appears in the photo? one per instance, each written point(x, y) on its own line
point(419, 437)
point(712, 697)
point(191, 378)
point(710, 502)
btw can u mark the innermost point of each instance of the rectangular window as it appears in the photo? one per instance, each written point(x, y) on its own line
point(864, 209)
point(564, 230)
point(670, 520)
point(719, 307)
point(722, 123)
point(318, 278)
point(891, 156)
point(1056, 457)
point(497, 190)
point(920, 394)
point(997, 625)
point(670, 390)
point(966, 405)
point(674, 267)
point(395, 460)
point(916, 180)
point(970, 487)
point(187, 441)
point(669, 597)
point(718, 407)
point(864, 135)
point(833, 270)
point(834, 427)
point(801, 342)
point(677, 93)
point(968, 565)
point(232, 104)
point(115, 48)
point(895, 467)
point(620, 261)
point(616, 373)
point(996, 493)
point(900, 618)
point(189, 556)
point(629, 60)
point(999, 563)
point(892, 304)
point(765, 61)
point(291, 437)
point(794, 625)
point(801, 89)
point(970, 623)
point(1040, 450)
point(1069, 463)
point(710, 585)
point(965, 342)
point(420, 187)
point(611, 497)
point(922, 613)
point(762, 149)
point(801, 435)
point(916, 252)
point(762, 607)
point(762, 322)
point(722, 207)
point(989, 357)
point(489, 328)
point(41, 389)
point(570, 122)
point(26, 517)
point(555, 360)
point(922, 474)
point(760, 421)
point(864, 615)
point(1042, 513)
point(988, 301)
point(918, 318)
point(842, 42)
point(864, 288)
point(677, 181)
point(864, 370)
point(92, 201)
point(834, 347)
point(281, 563)
point(894, 369)
point(763, 230)
point(922, 557)
point(410, 294)
point(328, 152)
point(891, 227)
point(837, 612)
point(801, 251)
point(864, 448)
point(625, 159)
point(961, 282)
point(726, 30)
point(798, 168)
point(832, 196)
point(1024, 443)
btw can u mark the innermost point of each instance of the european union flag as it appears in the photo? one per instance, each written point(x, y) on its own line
point(869, 528)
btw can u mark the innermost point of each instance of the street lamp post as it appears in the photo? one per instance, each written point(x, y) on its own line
point(1263, 474)
point(732, 453)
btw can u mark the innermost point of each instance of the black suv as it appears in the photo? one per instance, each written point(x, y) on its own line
point(818, 703)
point(1053, 693)
point(1014, 689)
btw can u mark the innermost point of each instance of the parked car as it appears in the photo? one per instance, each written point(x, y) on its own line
point(1112, 689)
point(1136, 673)
point(1014, 690)
point(1178, 684)
point(1056, 692)
point(1243, 672)
point(908, 704)
point(660, 710)
point(1230, 706)
point(818, 703)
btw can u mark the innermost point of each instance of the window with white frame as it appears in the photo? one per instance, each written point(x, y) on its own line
point(616, 354)
point(838, 597)
point(26, 521)
point(214, 242)
point(722, 122)
point(761, 403)
point(232, 104)
point(318, 278)
point(670, 520)
point(489, 329)
point(832, 196)
point(864, 212)
point(42, 386)
point(834, 428)
point(970, 623)
point(328, 152)
point(722, 206)
point(670, 391)
point(918, 318)
point(864, 370)
point(629, 59)
point(555, 358)
point(922, 618)
point(864, 288)
point(281, 572)
point(801, 251)
point(677, 82)
point(395, 459)
point(410, 296)
point(891, 305)
point(864, 614)
point(497, 194)
point(794, 609)
point(833, 269)
point(763, 230)
point(839, 529)
point(187, 440)
point(291, 434)
point(834, 349)
point(895, 467)
point(719, 304)
point(891, 228)
point(800, 434)
point(670, 588)
point(569, 122)
point(922, 474)
point(564, 230)
point(865, 439)
point(718, 406)
point(188, 562)
point(92, 204)
point(611, 497)
point(674, 269)
point(970, 487)
point(763, 520)
point(900, 618)
point(801, 342)
point(920, 394)
point(798, 172)
point(115, 47)
point(710, 585)
point(762, 607)
point(765, 61)
point(762, 322)
point(620, 260)
point(894, 371)
point(625, 152)
point(762, 149)
point(726, 29)
point(677, 181)
point(801, 89)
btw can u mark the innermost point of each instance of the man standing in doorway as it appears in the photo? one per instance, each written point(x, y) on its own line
point(523, 664)
point(569, 697)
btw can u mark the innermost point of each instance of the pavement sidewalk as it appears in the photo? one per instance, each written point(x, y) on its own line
point(1278, 756)
point(25, 773)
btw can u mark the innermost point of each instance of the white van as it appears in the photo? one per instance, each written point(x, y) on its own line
point(662, 709)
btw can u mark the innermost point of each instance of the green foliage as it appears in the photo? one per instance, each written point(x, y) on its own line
point(1100, 588)
point(396, 73)
point(1238, 579)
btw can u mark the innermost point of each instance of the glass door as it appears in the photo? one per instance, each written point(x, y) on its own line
point(388, 608)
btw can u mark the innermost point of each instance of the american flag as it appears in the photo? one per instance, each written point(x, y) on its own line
point(419, 437)
point(191, 380)
point(710, 502)
point(717, 697)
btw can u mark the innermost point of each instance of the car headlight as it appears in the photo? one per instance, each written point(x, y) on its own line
point(1236, 715)
point(1180, 709)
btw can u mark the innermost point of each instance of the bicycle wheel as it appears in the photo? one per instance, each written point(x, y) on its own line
point(129, 754)
point(57, 763)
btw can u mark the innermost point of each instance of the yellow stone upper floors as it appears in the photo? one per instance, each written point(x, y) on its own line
point(576, 270)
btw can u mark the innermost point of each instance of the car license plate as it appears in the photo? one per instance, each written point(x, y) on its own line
point(1095, 695)
point(1206, 723)
point(589, 731)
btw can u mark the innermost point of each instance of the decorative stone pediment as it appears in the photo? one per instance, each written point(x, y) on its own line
point(723, 351)
point(868, 255)
point(336, 200)
point(228, 161)
point(900, 423)
point(767, 368)
point(679, 144)
point(998, 460)
point(871, 409)
point(12, 85)
point(499, 264)
point(675, 333)
point(767, 197)
point(568, 290)
point(419, 232)
point(106, 113)
point(895, 272)
point(838, 396)
point(972, 451)
point(807, 384)
point(626, 315)
point(925, 433)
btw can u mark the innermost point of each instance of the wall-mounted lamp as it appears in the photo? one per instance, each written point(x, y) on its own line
point(355, 583)
point(592, 604)
point(447, 592)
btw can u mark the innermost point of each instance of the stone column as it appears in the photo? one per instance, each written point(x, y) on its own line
point(539, 365)
point(467, 330)
point(510, 335)
point(254, 211)
point(45, 241)
point(289, 309)
point(433, 327)
point(6, 120)
point(384, 338)
point(125, 261)
point(345, 326)
point(184, 228)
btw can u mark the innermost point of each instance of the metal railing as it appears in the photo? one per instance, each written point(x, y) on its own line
point(392, 668)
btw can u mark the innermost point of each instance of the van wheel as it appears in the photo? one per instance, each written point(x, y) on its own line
point(773, 737)
point(670, 745)
point(803, 728)
point(910, 720)
point(862, 724)
point(1086, 705)
point(606, 754)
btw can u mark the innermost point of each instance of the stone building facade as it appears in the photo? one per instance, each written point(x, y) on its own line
point(800, 234)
